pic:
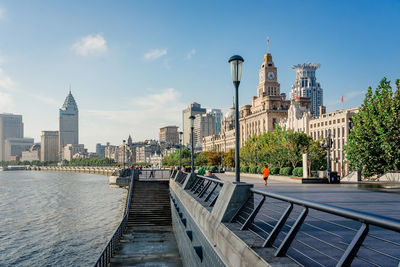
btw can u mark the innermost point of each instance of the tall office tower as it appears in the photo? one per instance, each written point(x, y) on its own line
point(204, 125)
point(11, 126)
point(193, 109)
point(50, 146)
point(218, 118)
point(306, 85)
point(69, 131)
point(101, 150)
point(169, 135)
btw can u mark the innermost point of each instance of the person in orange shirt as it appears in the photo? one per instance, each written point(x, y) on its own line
point(265, 172)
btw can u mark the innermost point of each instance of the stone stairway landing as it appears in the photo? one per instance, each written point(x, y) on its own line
point(149, 240)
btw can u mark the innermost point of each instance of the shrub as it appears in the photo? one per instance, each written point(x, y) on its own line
point(213, 168)
point(275, 170)
point(298, 171)
point(253, 169)
point(286, 171)
point(244, 169)
point(259, 170)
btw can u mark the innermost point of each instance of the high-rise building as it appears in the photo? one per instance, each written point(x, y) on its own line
point(69, 131)
point(306, 85)
point(49, 146)
point(169, 135)
point(204, 125)
point(11, 126)
point(193, 109)
point(218, 118)
point(101, 150)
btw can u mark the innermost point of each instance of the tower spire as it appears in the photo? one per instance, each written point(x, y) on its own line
point(267, 44)
point(69, 88)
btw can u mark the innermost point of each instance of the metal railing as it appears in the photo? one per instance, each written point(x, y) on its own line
point(109, 250)
point(155, 174)
point(319, 234)
point(206, 189)
point(180, 177)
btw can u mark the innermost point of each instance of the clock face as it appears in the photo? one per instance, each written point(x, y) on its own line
point(271, 75)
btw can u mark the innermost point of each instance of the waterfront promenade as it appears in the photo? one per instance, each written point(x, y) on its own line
point(346, 195)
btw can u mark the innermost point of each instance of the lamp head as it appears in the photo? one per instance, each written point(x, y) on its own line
point(236, 67)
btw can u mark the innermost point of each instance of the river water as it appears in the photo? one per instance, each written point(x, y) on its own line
point(56, 218)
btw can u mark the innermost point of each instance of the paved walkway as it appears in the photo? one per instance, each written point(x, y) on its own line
point(352, 196)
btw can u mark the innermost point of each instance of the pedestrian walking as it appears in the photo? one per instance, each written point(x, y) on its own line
point(152, 172)
point(265, 172)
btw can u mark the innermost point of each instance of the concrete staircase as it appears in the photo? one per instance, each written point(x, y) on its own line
point(151, 205)
point(149, 240)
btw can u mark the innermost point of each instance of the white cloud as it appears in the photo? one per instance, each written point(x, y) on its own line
point(190, 54)
point(155, 54)
point(7, 103)
point(91, 44)
point(149, 113)
point(5, 81)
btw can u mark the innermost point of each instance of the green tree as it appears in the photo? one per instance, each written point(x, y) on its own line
point(374, 142)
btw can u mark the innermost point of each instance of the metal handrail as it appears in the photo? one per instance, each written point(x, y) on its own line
point(109, 249)
point(363, 217)
point(211, 179)
point(249, 222)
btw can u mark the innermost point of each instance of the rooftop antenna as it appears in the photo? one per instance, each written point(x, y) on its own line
point(69, 88)
point(267, 44)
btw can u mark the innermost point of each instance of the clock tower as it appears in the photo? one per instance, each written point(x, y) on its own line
point(268, 80)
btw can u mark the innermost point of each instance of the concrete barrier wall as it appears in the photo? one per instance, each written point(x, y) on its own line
point(220, 246)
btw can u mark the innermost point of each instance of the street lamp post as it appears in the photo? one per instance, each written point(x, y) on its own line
point(180, 150)
point(123, 142)
point(192, 140)
point(236, 72)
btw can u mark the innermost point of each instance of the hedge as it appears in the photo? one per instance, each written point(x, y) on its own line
point(244, 169)
point(298, 171)
point(259, 170)
point(275, 170)
point(253, 169)
point(286, 171)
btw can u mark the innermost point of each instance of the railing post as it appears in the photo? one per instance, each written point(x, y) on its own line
point(274, 233)
point(283, 248)
point(252, 215)
point(351, 251)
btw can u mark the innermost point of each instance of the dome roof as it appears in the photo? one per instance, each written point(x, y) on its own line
point(230, 115)
point(69, 103)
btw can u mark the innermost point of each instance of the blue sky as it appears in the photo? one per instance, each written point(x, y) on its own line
point(134, 65)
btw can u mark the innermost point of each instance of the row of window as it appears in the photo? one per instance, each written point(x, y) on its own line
point(314, 125)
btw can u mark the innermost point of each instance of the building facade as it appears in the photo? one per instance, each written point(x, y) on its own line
point(192, 109)
point(218, 119)
point(225, 140)
point(69, 122)
point(100, 150)
point(306, 85)
point(33, 154)
point(70, 150)
point(338, 123)
point(204, 125)
point(169, 135)
point(268, 108)
point(50, 146)
point(15, 146)
point(299, 115)
point(11, 126)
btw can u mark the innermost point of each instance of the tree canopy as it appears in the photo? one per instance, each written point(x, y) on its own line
point(374, 142)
